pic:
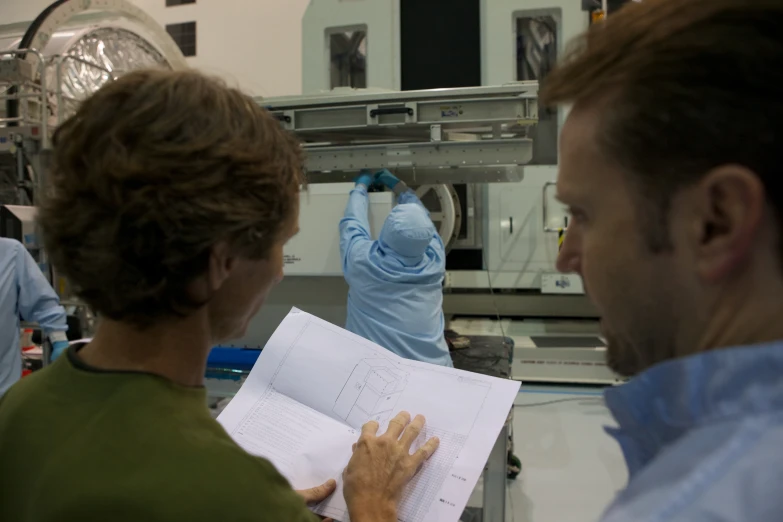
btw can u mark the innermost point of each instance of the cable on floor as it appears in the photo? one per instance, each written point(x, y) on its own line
point(598, 400)
point(492, 294)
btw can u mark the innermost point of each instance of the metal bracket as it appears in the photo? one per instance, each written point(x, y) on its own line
point(16, 70)
point(286, 119)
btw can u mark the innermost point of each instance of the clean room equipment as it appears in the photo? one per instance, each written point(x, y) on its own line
point(483, 163)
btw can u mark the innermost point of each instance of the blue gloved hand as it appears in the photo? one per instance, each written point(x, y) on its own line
point(58, 348)
point(365, 178)
point(387, 179)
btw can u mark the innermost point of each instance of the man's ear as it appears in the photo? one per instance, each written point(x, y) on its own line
point(221, 262)
point(730, 212)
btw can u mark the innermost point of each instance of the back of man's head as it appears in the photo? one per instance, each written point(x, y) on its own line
point(407, 232)
point(153, 171)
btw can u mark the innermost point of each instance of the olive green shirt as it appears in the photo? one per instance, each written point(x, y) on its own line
point(79, 444)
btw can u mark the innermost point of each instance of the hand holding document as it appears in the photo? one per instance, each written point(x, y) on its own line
point(315, 386)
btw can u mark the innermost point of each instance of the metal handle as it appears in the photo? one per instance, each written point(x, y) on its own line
point(374, 113)
point(283, 117)
point(511, 225)
point(547, 228)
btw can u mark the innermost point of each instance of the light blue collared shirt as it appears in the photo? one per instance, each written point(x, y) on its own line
point(703, 438)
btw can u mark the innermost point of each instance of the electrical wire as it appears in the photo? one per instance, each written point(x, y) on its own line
point(510, 497)
point(492, 295)
point(597, 400)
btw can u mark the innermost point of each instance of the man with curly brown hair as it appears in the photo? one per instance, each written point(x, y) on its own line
point(171, 199)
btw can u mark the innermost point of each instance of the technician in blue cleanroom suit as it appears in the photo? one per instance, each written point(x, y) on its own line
point(25, 293)
point(395, 296)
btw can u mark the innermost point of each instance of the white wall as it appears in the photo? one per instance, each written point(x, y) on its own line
point(12, 11)
point(255, 44)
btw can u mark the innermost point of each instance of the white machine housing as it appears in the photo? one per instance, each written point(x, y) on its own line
point(315, 250)
point(429, 138)
point(519, 221)
point(515, 224)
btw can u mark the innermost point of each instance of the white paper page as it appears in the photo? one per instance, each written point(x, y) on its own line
point(352, 381)
point(305, 446)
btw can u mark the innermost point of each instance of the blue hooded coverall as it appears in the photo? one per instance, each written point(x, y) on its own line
point(25, 292)
point(395, 296)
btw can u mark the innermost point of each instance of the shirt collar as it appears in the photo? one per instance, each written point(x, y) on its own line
point(660, 405)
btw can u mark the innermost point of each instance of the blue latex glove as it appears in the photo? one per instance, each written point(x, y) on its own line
point(58, 348)
point(365, 178)
point(387, 179)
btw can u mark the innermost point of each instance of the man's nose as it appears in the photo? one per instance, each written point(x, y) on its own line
point(568, 258)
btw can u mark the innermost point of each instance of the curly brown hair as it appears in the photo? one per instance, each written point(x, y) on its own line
point(151, 172)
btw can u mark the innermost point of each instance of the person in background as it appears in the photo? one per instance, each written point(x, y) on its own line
point(170, 223)
point(670, 163)
point(395, 296)
point(25, 293)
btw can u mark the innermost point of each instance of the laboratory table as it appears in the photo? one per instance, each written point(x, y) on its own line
point(489, 355)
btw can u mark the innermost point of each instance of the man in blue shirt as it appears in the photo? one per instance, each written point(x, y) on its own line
point(670, 165)
point(25, 292)
point(395, 296)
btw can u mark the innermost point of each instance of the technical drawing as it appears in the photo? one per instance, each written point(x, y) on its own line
point(371, 392)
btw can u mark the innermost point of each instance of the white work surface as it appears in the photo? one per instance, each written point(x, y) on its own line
point(571, 469)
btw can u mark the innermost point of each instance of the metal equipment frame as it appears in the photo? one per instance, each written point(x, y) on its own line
point(466, 135)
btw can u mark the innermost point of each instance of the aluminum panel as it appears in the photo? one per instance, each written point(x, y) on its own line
point(437, 155)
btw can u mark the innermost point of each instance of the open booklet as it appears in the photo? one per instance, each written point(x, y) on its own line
point(314, 386)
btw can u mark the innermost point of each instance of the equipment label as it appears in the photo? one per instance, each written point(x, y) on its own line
point(450, 111)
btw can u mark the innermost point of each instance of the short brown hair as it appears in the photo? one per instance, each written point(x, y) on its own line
point(686, 86)
point(151, 172)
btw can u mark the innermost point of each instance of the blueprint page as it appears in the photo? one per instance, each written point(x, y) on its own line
point(334, 381)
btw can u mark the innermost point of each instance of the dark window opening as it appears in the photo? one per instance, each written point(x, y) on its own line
point(536, 56)
point(184, 35)
point(348, 57)
point(440, 44)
